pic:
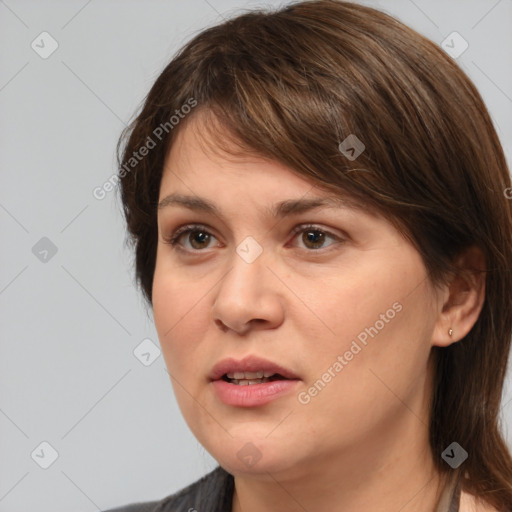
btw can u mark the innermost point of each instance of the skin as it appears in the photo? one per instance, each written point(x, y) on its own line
point(362, 442)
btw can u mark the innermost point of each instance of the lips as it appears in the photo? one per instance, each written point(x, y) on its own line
point(249, 364)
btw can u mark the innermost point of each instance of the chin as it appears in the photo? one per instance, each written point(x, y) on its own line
point(253, 455)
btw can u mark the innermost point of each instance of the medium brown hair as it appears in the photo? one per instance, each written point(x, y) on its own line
point(292, 84)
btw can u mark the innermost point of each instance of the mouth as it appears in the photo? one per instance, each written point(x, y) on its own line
point(251, 378)
point(251, 382)
point(249, 369)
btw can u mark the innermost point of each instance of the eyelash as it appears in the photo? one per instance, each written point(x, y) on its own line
point(174, 237)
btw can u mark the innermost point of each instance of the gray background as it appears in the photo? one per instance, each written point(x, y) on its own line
point(70, 321)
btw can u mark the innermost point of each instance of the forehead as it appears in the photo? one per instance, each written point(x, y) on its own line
point(205, 154)
point(203, 142)
point(207, 169)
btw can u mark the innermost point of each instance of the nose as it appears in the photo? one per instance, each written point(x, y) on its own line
point(247, 298)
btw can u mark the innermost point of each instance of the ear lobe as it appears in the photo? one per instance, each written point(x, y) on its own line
point(462, 299)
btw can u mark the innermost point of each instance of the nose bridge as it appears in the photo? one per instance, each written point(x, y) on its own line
point(244, 293)
point(247, 271)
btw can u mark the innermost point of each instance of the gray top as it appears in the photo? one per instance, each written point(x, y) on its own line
point(214, 493)
point(211, 493)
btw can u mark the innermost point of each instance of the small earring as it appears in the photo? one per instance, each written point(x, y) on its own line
point(450, 331)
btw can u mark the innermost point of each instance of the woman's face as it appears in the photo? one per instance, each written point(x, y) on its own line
point(344, 305)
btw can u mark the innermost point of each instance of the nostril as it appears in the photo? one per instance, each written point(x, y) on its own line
point(221, 325)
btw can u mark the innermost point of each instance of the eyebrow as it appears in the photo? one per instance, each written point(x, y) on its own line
point(281, 209)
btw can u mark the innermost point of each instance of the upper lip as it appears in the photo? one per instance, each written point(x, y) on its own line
point(248, 364)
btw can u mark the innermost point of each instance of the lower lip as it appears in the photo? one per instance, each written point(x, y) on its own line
point(252, 395)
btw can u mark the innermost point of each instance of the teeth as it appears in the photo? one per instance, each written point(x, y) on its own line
point(249, 375)
point(248, 382)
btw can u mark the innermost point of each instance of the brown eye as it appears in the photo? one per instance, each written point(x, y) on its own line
point(198, 237)
point(314, 237)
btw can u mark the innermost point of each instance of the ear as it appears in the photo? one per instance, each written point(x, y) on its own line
point(460, 302)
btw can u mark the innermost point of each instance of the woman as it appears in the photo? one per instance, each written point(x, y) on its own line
point(318, 203)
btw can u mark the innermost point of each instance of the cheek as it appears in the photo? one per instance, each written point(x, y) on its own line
point(351, 299)
point(179, 316)
point(379, 311)
point(382, 328)
point(179, 319)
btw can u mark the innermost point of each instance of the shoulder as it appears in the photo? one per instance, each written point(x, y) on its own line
point(213, 492)
point(469, 503)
